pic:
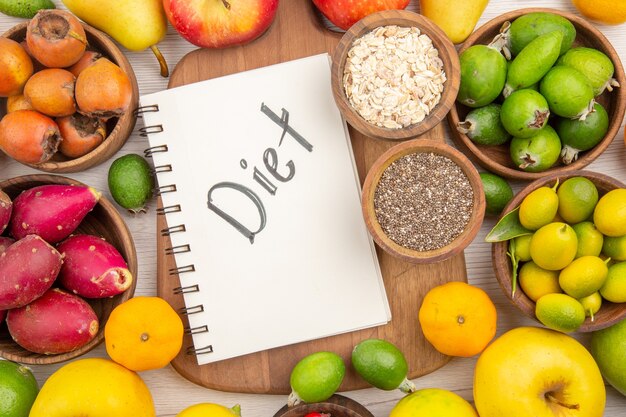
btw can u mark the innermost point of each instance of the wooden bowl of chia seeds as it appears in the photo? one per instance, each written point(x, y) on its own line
point(423, 201)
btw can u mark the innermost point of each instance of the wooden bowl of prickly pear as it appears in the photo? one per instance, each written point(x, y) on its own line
point(497, 158)
point(116, 129)
point(103, 221)
point(411, 98)
point(609, 313)
point(335, 406)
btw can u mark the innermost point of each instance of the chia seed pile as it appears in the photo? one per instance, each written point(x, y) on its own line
point(423, 201)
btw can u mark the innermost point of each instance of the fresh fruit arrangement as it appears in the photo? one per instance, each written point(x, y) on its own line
point(565, 247)
point(49, 273)
point(62, 98)
point(538, 92)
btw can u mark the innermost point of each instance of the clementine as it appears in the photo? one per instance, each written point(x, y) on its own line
point(611, 12)
point(143, 333)
point(458, 319)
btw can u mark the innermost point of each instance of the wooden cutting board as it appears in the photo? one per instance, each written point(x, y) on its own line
point(297, 32)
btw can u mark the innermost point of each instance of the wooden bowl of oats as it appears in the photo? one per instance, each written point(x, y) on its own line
point(395, 75)
point(423, 201)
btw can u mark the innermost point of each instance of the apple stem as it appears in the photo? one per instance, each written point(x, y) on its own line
point(551, 398)
point(226, 4)
point(165, 72)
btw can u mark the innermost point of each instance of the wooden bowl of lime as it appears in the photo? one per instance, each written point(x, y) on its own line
point(493, 130)
point(559, 251)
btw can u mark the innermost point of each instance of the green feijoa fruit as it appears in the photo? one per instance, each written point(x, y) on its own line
point(26, 9)
point(582, 135)
point(382, 364)
point(537, 153)
point(498, 193)
point(533, 62)
point(483, 126)
point(316, 378)
point(526, 28)
point(524, 113)
point(567, 92)
point(593, 64)
point(131, 182)
point(483, 72)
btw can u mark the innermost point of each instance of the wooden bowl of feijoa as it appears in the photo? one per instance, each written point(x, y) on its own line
point(526, 295)
point(102, 223)
point(423, 201)
point(394, 93)
point(88, 138)
point(494, 152)
point(335, 406)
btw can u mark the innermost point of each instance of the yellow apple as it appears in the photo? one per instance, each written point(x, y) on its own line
point(537, 372)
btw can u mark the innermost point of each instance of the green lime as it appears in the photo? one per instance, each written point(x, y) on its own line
point(483, 126)
point(615, 247)
point(131, 182)
point(584, 276)
point(578, 197)
point(522, 247)
point(24, 9)
point(18, 389)
point(591, 304)
point(498, 192)
point(614, 288)
point(554, 246)
point(581, 135)
point(382, 364)
point(537, 282)
point(524, 113)
point(316, 378)
point(538, 208)
point(433, 402)
point(590, 240)
point(537, 153)
point(560, 312)
point(608, 348)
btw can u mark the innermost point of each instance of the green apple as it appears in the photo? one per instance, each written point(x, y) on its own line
point(431, 402)
point(608, 347)
point(531, 371)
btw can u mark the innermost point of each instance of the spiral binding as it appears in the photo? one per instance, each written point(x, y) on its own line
point(174, 250)
point(186, 290)
point(200, 351)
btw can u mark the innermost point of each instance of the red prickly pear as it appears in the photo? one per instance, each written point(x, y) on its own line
point(27, 269)
point(5, 242)
point(51, 211)
point(6, 207)
point(92, 267)
point(56, 322)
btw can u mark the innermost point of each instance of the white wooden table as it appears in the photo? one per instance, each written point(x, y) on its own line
point(172, 393)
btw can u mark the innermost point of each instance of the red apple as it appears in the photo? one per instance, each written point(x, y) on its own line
point(345, 13)
point(220, 23)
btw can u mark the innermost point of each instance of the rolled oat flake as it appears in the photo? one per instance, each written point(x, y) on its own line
point(423, 201)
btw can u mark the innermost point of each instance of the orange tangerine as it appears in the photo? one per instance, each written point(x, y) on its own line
point(143, 333)
point(458, 319)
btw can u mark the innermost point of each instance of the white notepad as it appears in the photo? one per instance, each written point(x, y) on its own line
point(270, 204)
